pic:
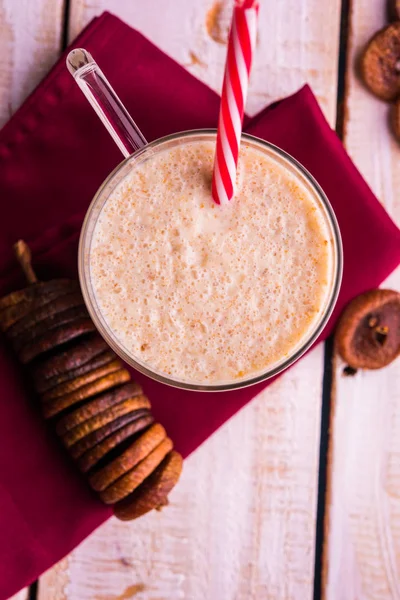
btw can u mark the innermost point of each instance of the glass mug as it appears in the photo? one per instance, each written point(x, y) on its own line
point(135, 149)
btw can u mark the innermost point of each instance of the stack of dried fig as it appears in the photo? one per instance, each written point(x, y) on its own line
point(101, 415)
point(380, 64)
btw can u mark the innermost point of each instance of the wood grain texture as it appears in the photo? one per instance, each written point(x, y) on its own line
point(362, 556)
point(30, 41)
point(241, 523)
point(297, 41)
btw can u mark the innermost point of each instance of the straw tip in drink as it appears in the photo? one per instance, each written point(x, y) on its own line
point(78, 58)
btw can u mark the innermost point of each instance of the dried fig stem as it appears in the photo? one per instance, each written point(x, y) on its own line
point(23, 256)
point(163, 503)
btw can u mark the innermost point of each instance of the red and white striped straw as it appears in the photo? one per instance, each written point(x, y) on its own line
point(242, 39)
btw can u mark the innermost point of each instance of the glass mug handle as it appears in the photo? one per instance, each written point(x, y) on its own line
point(105, 101)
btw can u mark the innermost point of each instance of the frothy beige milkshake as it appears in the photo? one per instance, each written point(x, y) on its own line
point(204, 293)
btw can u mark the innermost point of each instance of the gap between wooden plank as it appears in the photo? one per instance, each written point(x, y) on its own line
point(33, 590)
point(343, 65)
point(328, 379)
point(323, 465)
point(65, 25)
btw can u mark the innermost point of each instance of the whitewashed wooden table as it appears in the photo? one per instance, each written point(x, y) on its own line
point(243, 521)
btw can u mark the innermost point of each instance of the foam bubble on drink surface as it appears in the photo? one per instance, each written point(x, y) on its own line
point(206, 293)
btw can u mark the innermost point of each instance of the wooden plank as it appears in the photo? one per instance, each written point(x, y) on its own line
point(30, 40)
point(297, 42)
point(241, 523)
point(362, 557)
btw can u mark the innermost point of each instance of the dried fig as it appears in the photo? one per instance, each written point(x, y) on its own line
point(28, 294)
point(28, 336)
point(133, 455)
point(380, 63)
point(9, 316)
point(74, 384)
point(45, 313)
point(73, 358)
point(110, 414)
point(96, 437)
point(99, 404)
point(153, 492)
point(56, 337)
point(18, 304)
point(53, 407)
point(368, 333)
point(126, 484)
point(45, 385)
point(92, 456)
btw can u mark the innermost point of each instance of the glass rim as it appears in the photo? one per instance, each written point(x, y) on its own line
point(104, 330)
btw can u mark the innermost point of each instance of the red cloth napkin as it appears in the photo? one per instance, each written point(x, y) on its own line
point(54, 153)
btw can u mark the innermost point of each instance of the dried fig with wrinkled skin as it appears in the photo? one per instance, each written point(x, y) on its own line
point(380, 63)
point(110, 414)
point(93, 439)
point(56, 337)
point(74, 384)
point(100, 403)
point(153, 492)
point(126, 484)
point(45, 313)
point(137, 451)
point(396, 119)
point(73, 358)
point(40, 329)
point(98, 361)
point(53, 407)
point(92, 456)
point(9, 316)
point(368, 333)
point(28, 294)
